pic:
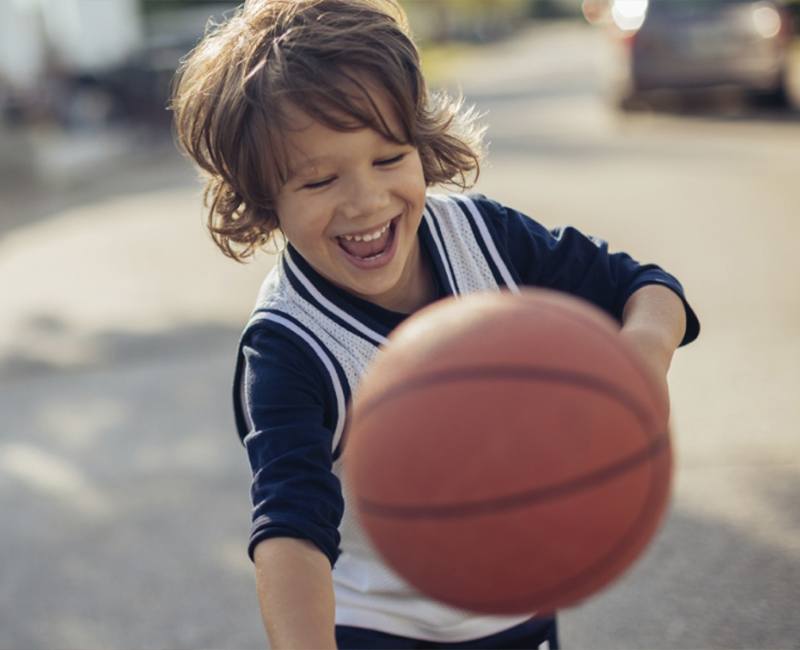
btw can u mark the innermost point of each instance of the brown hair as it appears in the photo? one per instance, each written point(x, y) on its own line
point(231, 92)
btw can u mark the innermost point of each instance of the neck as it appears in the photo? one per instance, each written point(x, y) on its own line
point(418, 286)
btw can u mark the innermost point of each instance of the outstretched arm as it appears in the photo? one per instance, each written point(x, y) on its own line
point(654, 322)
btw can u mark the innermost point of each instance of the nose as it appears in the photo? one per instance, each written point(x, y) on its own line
point(364, 195)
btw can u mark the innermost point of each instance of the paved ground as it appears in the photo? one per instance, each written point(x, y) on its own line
point(123, 487)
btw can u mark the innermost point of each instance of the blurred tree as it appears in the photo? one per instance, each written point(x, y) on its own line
point(554, 8)
point(154, 6)
point(473, 20)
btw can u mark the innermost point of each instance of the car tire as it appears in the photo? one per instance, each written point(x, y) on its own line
point(629, 102)
point(777, 97)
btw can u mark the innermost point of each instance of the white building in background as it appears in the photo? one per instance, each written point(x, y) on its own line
point(91, 34)
point(22, 50)
point(80, 35)
point(75, 36)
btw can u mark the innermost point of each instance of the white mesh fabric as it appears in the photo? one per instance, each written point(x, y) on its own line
point(471, 269)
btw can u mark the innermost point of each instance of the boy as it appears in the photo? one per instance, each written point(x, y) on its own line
point(311, 117)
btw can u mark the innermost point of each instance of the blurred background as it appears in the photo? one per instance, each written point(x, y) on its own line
point(669, 127)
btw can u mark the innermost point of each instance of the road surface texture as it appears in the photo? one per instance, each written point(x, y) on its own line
point(124, 490)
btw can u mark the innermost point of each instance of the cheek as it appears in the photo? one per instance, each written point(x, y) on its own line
point(300, 221)
point(415, 180)
point(421, 169)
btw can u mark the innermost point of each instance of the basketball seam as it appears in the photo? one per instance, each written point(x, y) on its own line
point(507, 372)
point(507, 502)
point(566, 587)
point(583, 320)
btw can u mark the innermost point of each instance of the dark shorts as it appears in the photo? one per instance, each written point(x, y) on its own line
point(529, 635)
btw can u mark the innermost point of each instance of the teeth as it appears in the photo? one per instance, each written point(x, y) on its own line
point(369, 236)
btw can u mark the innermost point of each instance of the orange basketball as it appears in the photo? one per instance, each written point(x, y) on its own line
point(508, 453)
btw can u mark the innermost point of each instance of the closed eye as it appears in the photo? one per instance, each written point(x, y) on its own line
point(318, 184)
point(390, 161)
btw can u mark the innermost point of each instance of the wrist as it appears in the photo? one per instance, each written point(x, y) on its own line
point(652, 346)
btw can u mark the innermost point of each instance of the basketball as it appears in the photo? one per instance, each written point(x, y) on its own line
point(508, 453)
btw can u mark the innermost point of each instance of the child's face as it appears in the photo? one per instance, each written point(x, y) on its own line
point(352, 205)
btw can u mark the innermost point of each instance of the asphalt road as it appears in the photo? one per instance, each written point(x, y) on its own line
point(124, 491)
point(715, 200)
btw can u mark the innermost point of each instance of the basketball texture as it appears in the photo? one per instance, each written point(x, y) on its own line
point(508, 453)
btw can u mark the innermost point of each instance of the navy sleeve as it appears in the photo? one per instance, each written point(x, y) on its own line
point(566, 260)
point(294, 491)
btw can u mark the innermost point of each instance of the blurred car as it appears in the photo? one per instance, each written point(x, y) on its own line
point(699, 44)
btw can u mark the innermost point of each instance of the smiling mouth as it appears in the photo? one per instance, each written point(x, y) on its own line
point(371, 245)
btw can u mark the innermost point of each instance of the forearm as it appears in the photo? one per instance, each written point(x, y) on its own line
point(295, 591)
point(654, 319)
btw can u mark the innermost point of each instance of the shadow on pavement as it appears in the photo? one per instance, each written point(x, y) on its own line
point(705, 584)
point(111, 349)
point(150, 167)
point(125, 501)
point(126, 515)
point(719, 107)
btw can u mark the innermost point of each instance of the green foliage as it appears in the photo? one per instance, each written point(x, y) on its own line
point(442, 21)
point(473, 8)
point(155, 6)
point(553, 9)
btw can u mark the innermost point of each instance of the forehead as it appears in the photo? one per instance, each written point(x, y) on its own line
point(314, 131)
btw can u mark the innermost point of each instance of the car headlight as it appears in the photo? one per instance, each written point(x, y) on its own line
point(767, 21)
point(629, 15)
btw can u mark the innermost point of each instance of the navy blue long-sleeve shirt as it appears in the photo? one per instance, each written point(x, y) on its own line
point(287, 409)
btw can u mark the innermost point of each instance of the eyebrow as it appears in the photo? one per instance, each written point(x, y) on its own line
point(307, 165)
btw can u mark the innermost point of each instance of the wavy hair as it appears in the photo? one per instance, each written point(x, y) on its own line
point(231, 92)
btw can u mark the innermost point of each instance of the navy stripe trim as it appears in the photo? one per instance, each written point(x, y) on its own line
point(478, 238)
point(443, 253)
point(435, 257)
point(318, 350)
point(375, 338)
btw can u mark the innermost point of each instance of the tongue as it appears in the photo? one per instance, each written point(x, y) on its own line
point(365, 248)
